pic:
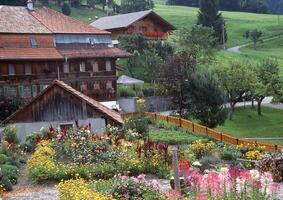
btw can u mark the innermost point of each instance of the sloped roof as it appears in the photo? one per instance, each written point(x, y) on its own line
point(89, 101)
point(125, 20)
point(30, 53)
point(57, 22)
point(100, 52)
point(18, 19)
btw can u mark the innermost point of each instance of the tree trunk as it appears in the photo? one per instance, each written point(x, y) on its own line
point(232, 105)
point(259, 107)
point(253, 103)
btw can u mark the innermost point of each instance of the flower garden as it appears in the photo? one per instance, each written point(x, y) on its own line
point(128, 163)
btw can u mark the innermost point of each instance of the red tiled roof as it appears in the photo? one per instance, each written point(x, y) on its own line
point(102, 52)
point(30, 53)
point(16, 19)
point(91, 102)
point(57, 22)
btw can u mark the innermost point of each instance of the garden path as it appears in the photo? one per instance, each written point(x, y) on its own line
point(26, 190)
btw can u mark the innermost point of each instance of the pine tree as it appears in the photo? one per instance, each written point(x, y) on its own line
point(210, 16)
point(66, 10)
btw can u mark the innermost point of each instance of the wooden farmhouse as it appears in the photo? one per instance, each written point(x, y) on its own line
point(60, 105)
point(40, 45)
point(151, 25)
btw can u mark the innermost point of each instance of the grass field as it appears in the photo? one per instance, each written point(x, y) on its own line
point(247, 124)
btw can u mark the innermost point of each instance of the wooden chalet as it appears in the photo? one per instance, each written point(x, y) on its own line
point(151, 25)
point(40, 45)
point(60, 105)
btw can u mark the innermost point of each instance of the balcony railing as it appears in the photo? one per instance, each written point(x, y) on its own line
point(155, 34)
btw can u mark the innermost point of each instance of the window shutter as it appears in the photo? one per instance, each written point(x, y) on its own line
point(21, 90)
point(34, 90)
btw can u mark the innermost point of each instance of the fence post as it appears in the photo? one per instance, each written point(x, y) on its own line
point(276, 147)
point(155, 116)
point(237, 141)
point(180, 122)
point(167, 118)
point(206, 131)
point(221, 137)
point(176, 169)
point(193, 125)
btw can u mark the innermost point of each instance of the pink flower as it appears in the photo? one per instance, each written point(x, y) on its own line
point(233, 172)
point(59, 136)
point(136, 180)
point(274, 188)
point(173, 195)
point(201, 196)
point(141, 176)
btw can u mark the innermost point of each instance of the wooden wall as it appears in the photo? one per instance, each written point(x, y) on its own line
point(56, 105)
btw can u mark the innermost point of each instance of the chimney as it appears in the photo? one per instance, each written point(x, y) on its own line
point(30, 5)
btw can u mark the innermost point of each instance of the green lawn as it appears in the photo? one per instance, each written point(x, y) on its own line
point(237, 22)
point(247, 124)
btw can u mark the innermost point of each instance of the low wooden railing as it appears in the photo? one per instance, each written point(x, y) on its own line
point(203, 130)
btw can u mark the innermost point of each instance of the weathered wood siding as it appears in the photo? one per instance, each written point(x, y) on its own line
point(57, 105)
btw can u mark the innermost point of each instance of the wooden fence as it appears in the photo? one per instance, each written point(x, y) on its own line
point(203, 130)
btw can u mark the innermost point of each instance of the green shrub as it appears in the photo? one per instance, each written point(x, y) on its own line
point(13, 161)
point(124, 92)
point(148, 92)
point(5, 150)
point(6, 183)
point(10, 134)
point(3, 159)
point(11, 172)
point(139, 124)
point(229, 152)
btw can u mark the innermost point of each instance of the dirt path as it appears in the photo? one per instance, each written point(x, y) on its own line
point(25, 190)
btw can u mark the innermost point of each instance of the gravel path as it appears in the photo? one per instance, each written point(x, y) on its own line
point(25, 190)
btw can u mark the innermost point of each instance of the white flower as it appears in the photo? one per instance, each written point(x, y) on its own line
point(196, 164)
point(255, 174)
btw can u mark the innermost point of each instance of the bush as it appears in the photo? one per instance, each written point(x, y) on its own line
point(10, 134)
point(13, 161)
point(3, 159)
point(5, 150)
point(66, 9)
point(139, 124)
point(6, 183)
point(11, 172)
point(124, 92)
point(201, 149)
point(228, 152)
point(148, 92)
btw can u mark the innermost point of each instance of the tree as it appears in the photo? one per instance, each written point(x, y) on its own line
point(128, 6)
point(206, 98)
point(66, 10)
point(210, 16)
point(236, 79)
point(268, 82)
point(256, 6)
point(254, 35)
point(193, 47)
point(8, 106)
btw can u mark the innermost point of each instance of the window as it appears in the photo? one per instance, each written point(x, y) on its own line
point(95, 66)
point(27, 92)
point(12, 91)
point(108, 65)
point(33, 42)
point(45, 67)
point(143, 29)
point(109, 85)
point(66, 126)
point(11, 69)
point(83, 87)
point(66, 68)
point(27, 69)
point(82, 67)
point(96, 86)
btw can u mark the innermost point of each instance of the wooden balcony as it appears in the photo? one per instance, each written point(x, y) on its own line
point(155, 35)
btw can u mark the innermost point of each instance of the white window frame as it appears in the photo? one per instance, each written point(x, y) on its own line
point(108, 65)
point(82, 67)
point(66, 67)
point(95, 67)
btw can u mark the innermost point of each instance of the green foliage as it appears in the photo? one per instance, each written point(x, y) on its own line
point(3, 159)
point(228, 152)
point(8, 106)
point(6, 183)
point(5, 150)
point(139, 124)
point(125, 92)
point(66, 9)
point(206, 98)
point(11, 172)
point(10, 134)
point(128, 6)
point(13, 2)
point(209, 16)
point(172, 137)
point(254, 35)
